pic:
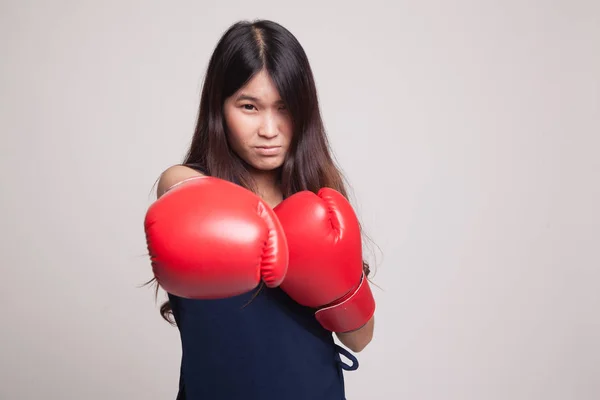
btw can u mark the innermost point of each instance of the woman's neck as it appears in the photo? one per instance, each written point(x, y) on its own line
point(267, 186)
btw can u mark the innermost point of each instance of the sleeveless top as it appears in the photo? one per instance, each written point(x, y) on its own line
point(260, 345)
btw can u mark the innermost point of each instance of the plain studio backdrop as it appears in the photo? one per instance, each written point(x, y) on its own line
point(468, 130)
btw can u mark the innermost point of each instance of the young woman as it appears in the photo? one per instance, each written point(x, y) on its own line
point(252, 237)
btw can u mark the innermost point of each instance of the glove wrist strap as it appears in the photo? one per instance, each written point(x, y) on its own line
point(350, 314)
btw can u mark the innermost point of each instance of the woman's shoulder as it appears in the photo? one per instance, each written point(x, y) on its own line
point(175, 175)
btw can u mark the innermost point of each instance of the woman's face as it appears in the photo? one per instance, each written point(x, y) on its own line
point(259, 126)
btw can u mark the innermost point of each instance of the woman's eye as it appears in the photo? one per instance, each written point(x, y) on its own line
point(248, 107)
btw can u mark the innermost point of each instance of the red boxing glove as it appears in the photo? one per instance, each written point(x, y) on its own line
point(325, 262)
point(209, 238)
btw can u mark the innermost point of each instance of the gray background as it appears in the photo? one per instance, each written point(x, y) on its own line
point(469, 131)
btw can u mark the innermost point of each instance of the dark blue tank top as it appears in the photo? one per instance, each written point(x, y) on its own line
point(261, 345)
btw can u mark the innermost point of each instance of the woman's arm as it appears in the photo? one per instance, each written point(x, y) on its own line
point(174, 175)
point(359, 339)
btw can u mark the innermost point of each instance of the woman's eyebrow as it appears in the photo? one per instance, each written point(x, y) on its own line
point(254, 99)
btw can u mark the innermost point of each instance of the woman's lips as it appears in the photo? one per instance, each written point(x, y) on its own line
point(268, 150)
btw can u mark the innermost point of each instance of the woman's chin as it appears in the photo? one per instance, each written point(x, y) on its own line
point(267, 164)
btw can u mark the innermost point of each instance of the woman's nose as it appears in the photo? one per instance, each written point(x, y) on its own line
point(268, 127)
